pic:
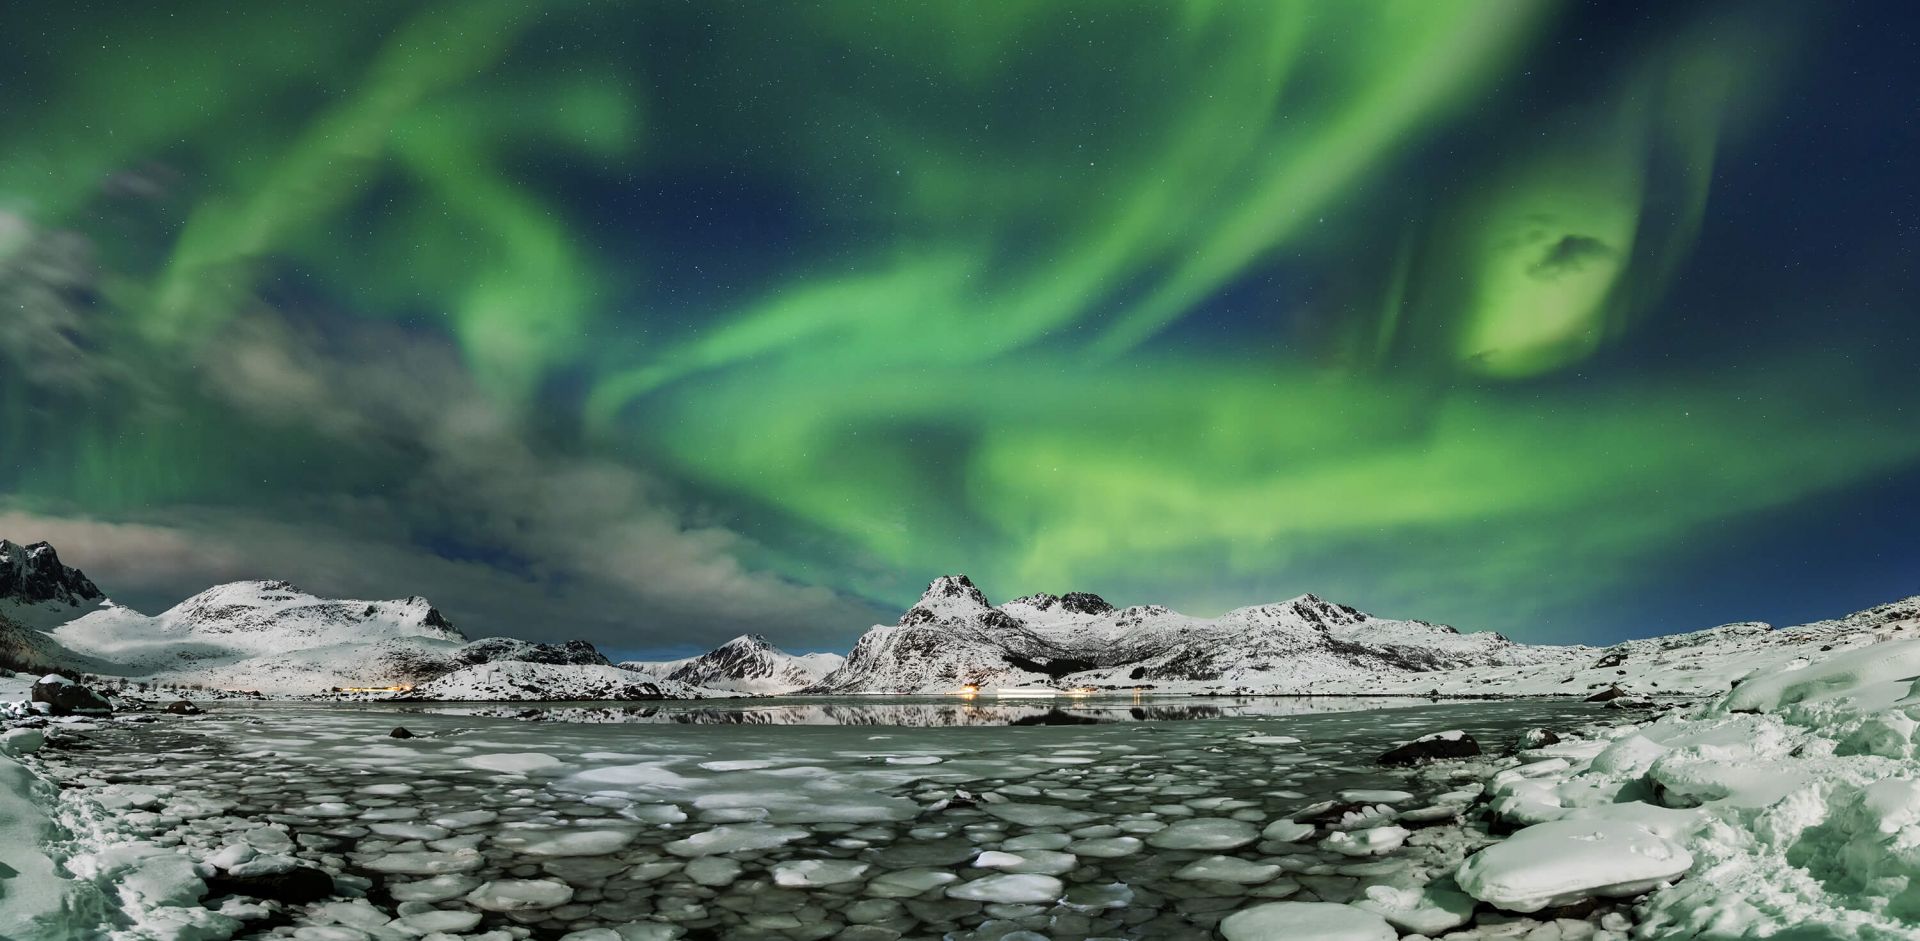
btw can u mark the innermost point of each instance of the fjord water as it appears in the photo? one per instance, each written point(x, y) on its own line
point(879, 818)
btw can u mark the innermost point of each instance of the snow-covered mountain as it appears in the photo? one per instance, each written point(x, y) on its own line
point(272, 637)
point(954, 636)
point(745, 664)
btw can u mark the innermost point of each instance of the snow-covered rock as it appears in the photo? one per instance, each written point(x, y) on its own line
point(746, 664)
point(517, 681)
point(1568, 860)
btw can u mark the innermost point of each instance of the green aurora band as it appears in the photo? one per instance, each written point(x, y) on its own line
point(985, 349)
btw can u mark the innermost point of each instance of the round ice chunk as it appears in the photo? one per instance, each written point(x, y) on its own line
point(1050, 862)
point(1112, 847)
point(1010, 889)
point(1204, 833)
point(520, 895)
point(799, 873)
point(567, 842)
point(1567, 860)
point(1286, 831)
point(440, 920)
point(735, 838)
point(512, 762)
point(436, 889)
point(1227, 869)
point(1306, 921)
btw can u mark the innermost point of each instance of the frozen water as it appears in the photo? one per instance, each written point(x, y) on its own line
point(569, 829)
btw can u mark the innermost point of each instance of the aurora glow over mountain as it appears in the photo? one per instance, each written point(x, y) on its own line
point(646, 323)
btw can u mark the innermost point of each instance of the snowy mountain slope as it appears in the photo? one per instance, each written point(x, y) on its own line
point(1705, 662)
point(750, 664)
point(655, 669)
point(953, 636)
point(37, 591)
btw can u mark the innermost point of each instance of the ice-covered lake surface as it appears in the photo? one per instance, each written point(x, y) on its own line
point(857, 819)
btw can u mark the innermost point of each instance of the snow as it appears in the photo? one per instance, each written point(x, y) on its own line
point(1842, 673)
point(1563, 861)
point(32, 891)
point(1372, 841)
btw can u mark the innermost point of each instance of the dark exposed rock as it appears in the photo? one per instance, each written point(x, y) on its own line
point(67, 697)
point(1610, 693)
point(494, 649)
point(34, 575)
point(400, 731)
point(1611, 659)
point(1085, 603)
point(183, 708)
point(1432, 748)
point(297, 886)
point(1538, 738)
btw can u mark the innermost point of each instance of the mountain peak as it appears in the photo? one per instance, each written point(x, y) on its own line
point(750, 642)
point(33, 575)
point(952, 598)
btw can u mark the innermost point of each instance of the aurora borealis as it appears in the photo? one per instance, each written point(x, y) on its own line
point(651, 323)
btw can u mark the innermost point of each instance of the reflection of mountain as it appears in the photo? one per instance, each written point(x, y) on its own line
point(921, 714)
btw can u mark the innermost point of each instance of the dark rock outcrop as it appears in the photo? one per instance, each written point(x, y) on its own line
point(1438, 747)
point(34, 575)
point(1605, 695)
point(67, 697)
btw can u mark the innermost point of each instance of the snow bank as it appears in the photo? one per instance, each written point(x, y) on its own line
point(33, 894)
point(1788, 806)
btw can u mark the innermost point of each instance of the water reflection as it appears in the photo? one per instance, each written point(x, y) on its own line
point(924, 712)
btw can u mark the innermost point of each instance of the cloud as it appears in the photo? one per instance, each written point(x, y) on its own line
point(473, 475)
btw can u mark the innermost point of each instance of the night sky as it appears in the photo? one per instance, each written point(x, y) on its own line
point(654, 323)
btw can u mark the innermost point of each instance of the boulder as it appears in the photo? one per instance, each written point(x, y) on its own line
point(64, 697)
point(183, 708)
point(400, 731)
point(1435, 747)
point(1605, 695)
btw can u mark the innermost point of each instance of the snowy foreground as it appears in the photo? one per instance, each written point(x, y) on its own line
point(1787, 808)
